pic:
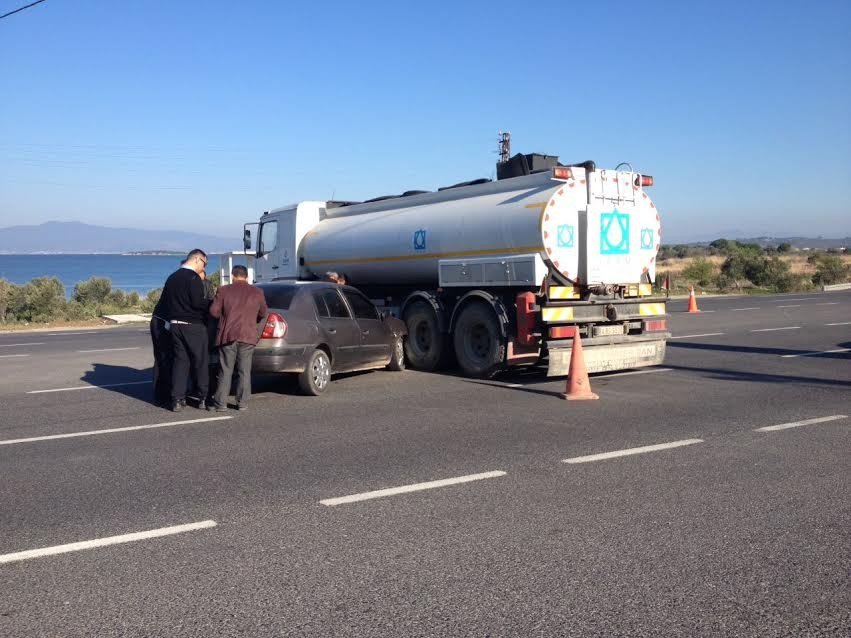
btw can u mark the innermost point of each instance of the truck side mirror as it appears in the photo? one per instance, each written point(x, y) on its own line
point(246, 239)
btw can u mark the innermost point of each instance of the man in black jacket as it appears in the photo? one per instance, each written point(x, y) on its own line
point(184, 306)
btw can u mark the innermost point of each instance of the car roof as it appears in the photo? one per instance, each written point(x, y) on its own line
point(315, 285)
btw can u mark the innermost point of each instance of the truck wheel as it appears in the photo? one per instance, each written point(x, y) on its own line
point(397, 361)
point(424, 345)
point(316, 376)
point(479, 345)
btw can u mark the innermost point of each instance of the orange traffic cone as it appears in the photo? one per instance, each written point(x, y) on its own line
point(692, 302)
point(578, 386)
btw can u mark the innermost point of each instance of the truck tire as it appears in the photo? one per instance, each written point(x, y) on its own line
point(479, 344)
point(425, 343)
point(397, 360)
point(316, 377)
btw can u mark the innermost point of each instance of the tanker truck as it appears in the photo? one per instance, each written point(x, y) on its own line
point(494, 273)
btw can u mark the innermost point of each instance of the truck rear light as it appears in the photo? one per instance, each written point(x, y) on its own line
point(656, 325)
point(562, 332)
point(275, 328)
point(644, 181)
point(562, 172)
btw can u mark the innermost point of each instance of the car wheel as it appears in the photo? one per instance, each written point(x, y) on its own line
point(424, 345)
point(479, 344)
point(317, 374)
point(397, 360)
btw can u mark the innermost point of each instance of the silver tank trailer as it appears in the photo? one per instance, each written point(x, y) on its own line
point(402, 240)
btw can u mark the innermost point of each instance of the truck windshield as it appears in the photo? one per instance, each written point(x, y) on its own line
point(279, 297)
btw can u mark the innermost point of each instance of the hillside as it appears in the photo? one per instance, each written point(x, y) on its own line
point(79, 238)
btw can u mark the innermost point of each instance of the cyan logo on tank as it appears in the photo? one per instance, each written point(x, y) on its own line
point(622, 242)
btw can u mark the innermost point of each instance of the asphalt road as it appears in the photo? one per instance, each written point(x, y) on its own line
point(730, 531)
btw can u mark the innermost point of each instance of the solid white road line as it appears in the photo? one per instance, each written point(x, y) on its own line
point(841, 323)
point(12, 356)
point(631, 451)
point(365, 496)
point(705, 334)
point(103, 542)
point(794, 305)
point(17, 345)
point(799, 299)
point(828, 303)
point(89, 387)
point(737, 309)
point(71, 435)
point(109, 349)
point(775, 329)
point(814, 354)
point(632, 372)
point(797, 424)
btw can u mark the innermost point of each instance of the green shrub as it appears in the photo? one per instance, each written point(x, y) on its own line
point(8, 292)
point(41, 300)
point(700, 271)
point(75, 311)
point(830, 269)
point(151, 300)
point(95, 290)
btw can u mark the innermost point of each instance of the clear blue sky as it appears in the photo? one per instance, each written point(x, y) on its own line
point(202, 114)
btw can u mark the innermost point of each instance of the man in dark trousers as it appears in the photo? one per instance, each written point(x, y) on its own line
point(183, 305)
point(241, 310)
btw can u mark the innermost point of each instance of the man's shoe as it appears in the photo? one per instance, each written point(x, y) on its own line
point(242, 408)
point(216, 408)
point(177, 406)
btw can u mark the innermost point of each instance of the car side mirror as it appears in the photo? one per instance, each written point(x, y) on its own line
point(246, 239)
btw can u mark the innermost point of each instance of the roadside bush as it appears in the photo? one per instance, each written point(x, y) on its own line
point(41, 300)
point(95, 290)
point(75, 311)
point(700, 271)
point(151, 300)
point(830, 269)
point(8, 291)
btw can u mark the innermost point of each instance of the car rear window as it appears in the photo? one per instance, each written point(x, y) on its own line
point(279, 297)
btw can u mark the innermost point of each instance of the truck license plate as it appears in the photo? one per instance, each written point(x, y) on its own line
point(606, 331)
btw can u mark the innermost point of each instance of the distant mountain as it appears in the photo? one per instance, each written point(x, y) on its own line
point(79, 238)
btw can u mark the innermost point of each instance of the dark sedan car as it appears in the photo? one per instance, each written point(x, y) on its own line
point(317, 329)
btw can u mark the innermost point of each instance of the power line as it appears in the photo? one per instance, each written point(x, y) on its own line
point(27, 6)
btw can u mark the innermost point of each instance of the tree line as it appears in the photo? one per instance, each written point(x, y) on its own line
point(748, 265)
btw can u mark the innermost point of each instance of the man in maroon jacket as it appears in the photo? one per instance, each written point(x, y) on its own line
point(240, 309)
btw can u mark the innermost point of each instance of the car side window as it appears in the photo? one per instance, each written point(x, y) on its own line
point(336, 306)
point(321, 306)
point(361, 306)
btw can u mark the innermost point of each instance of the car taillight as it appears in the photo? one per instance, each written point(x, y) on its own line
point(656, 325)
point(562, 172)
point(644, 181)
point(275, 328)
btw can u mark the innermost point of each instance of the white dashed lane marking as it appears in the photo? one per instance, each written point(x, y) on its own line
point(405, 489)
point(89, 387)
point(775, 329)
point(71, 435)
point(705, 334)
point(815, 354)
point(630, 451)
point(103, 542)
point(108, 349)
point(797, 424)
point(738, 309)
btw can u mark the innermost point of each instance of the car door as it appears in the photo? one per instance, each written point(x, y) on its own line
point(374, 342)
point(338, 328)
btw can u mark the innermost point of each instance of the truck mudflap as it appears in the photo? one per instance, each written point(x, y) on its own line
point(609, 354)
